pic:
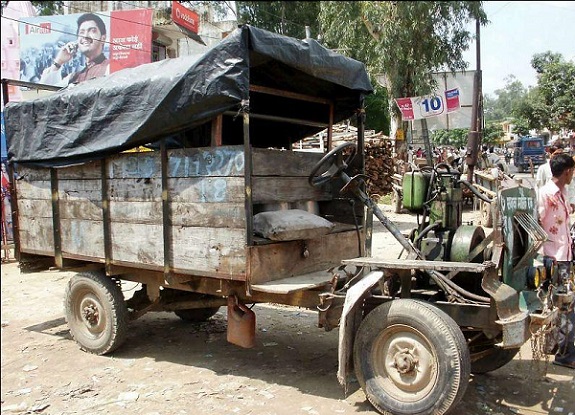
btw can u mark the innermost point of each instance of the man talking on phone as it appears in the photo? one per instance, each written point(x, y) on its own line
point(91, 35)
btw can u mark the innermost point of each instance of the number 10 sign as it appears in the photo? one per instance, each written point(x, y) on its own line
point(416, 108)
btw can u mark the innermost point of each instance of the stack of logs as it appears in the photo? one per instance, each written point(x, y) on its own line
point(379, 162)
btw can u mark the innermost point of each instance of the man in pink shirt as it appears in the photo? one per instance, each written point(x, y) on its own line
point(554, 210)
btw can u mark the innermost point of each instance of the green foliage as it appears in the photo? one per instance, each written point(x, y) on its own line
point(377, 111)
point(48, 8)
point(540, 61)
point(507, 102)
point(521, 127)
point(220, 9)
point(492, 134)
point(285, 17)
point(557, 91)
point(456, 137)
point(551, 104)
point(405, 41)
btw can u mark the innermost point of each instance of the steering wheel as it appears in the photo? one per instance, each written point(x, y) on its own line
point(335, 163)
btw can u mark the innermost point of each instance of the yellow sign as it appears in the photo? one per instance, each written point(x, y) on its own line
point(399, 135)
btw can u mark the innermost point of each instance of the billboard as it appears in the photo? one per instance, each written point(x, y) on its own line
point(63, 49)
point(418, 108)
point(463, 82)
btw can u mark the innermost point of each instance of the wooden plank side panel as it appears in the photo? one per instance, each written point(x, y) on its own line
point(283, 260)
point(81, 209)
point(216, 215)
point(82, 237)
point(203, 250)
point(91, 170)
point(137, 243)
point(287, 189)
point(135, 190)
point(36, 234)
point(209, 215)
point(272, 162)
point(188, 162)
point(210, 250)
point(34, 208)
point(34, 189)
point(207, 189)
point(85, 189)
point(32, 174)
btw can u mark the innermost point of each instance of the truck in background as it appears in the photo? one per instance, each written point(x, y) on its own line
point(528, 150)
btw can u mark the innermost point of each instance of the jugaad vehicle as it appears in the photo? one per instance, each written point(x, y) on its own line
point(528, 151)
point(220, 211)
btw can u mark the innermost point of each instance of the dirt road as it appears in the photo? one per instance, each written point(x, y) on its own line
point(170, 367)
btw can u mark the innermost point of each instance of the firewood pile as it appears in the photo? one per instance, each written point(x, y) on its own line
point(379, 163)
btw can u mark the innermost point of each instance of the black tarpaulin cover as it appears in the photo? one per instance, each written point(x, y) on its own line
point(141, 105)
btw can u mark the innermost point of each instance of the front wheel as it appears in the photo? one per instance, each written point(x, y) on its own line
point(96, 312)
point(411, 358)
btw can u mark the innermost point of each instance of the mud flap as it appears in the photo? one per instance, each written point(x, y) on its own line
point(514, 322)
point(350, 319)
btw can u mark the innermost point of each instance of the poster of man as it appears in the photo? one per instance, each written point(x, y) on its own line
point(88, 47)
point(61, 50)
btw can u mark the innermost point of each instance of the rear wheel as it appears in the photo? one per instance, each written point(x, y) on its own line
point(96, 312)
point(486, 357)
point(411, 358)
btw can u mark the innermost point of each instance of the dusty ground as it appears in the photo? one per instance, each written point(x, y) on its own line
point(170, 367)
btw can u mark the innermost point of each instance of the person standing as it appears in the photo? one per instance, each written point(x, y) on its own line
point(554, 211)
point(544, 170)
point(91, 35)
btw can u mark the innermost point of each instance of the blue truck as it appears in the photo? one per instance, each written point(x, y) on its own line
point(528, 150)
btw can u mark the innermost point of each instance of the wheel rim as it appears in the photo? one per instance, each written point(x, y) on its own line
point(405, 363)
point(90, 315)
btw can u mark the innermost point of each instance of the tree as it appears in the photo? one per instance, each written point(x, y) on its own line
point(48, 8)
point(540, 61)
point(403, 42)
point(508, 100)
point(455, 137)
point(557, 91)
point(551, 104)
point(284, 17)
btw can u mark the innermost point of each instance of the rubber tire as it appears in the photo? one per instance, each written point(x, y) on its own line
point(426, 329)
point(495, 359)
point(96, 290)
point(196, 315)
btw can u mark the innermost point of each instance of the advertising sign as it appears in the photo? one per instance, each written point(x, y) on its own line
point(186, 18)
point(417, 108)
point(63, 49)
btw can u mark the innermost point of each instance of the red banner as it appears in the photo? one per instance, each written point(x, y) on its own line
point(130, 38)
point(186, 18)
